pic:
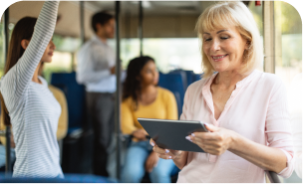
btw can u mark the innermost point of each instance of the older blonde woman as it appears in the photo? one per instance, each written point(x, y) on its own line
point(246, 110)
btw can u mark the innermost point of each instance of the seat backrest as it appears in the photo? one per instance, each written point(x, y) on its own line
point(185, 80)
point(179, 102)
point(75, 97)
point(197, 77)
point(175, 83)
point(189, 77)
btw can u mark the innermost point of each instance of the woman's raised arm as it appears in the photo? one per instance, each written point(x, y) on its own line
point(18, 77)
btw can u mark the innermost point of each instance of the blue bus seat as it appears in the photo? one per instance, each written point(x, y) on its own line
point(78, 144)
point(75, 97)
point(179, 102)
point(197, 77)
point(175, 83)
point(189, 77)
point(183, 73)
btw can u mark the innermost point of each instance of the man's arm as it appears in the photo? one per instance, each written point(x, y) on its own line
point(93, 65)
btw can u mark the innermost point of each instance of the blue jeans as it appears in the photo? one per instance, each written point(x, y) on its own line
point(3, 156)
point(134, 168)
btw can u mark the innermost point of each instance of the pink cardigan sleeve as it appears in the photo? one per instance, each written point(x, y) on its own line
point(278, 128)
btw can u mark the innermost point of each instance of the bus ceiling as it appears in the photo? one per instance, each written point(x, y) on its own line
point(162, 19)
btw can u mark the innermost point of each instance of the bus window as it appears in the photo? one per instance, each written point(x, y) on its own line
point(288, 66)
point(258, 16)
point(170, 53)
point(288, 42)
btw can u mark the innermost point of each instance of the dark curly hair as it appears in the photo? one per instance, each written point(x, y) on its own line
point(132, 85)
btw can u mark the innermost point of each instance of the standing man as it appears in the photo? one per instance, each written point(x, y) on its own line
point(96, 70)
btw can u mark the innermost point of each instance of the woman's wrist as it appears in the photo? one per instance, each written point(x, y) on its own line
point(154, 153)
point(234, 137)
point(134, 132)
point(180, 160)
point(179, 157)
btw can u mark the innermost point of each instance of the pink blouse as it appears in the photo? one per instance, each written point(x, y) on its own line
point(257, 110)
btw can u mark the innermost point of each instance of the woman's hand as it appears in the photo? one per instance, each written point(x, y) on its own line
point(151, 162)
point(179, 157)
point(165, 153)
point(140, 134)
point(215, 142)
point(12, 141)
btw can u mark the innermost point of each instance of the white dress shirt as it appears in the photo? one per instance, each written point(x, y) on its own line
point(295, 106)
point(95, 58)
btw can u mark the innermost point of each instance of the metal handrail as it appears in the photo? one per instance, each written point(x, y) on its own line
point(118, 88)
point(273, 177)
point(8, 168)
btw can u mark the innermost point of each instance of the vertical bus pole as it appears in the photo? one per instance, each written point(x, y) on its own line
point(269, 36)
point(118, 88)
point(269, 58)
point(140, 27)
point(82, 33)
point(8, 168)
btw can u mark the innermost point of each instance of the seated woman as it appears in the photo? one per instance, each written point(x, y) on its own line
point(143, 99)
point(246, 109)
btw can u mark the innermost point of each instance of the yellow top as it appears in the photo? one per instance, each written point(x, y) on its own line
point(63, 119)
point(164, 107)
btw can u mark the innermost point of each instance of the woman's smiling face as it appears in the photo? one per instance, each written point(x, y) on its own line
point(224, 48)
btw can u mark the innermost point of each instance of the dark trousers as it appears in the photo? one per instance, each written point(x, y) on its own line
point(100, 107)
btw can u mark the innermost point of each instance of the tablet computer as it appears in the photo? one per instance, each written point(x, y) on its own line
point(170, 134)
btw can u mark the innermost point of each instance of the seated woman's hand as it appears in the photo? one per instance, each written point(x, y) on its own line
point(215, 142)
point(151, 162)
point(165, 153)
point(140, 134)
point(12, 141)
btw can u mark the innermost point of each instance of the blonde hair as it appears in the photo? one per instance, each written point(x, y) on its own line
point(224, 15)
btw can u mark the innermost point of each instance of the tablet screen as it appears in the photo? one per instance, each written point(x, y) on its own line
point(170, 134)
